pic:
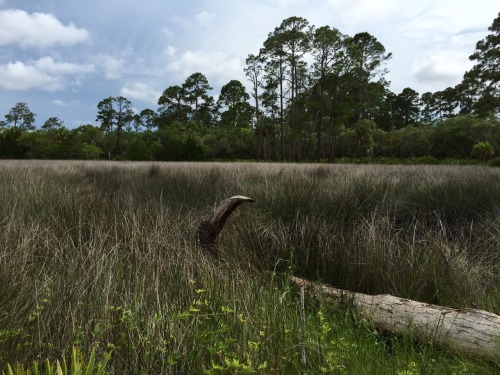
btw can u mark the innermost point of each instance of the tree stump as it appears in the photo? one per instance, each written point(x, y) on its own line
point(210, 228)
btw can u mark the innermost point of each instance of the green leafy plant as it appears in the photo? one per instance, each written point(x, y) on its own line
point(77, 366)
point(483, 151)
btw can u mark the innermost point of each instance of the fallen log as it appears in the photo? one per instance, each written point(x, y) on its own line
point(210, 228)
point(470, 332)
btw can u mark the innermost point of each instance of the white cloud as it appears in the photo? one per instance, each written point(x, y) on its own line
point(37, 30)
point(446, 68)
point(364, 11)
point(288, 3)
point(216, 66)
point(60, 103)
point(170, 51)
point(44, 74)
point(113, 67)
point(49, 66)
point(204, 18)
point(140, 91)
point(65, 103)
point(181, 21)
point(18, 76)
point(167, 32)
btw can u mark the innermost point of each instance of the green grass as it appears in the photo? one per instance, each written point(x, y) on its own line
point(102, 252)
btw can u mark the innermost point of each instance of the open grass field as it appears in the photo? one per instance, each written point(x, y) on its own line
point(104, 255)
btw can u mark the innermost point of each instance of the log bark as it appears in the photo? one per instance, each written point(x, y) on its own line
point(470, 332)
point(210, 228)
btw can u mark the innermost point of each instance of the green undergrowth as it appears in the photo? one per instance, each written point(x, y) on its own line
point(77, 365)
point(103, 257)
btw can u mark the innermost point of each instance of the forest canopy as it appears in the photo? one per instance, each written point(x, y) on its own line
point(312, 94)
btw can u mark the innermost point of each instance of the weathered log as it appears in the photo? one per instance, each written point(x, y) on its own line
point(470, 332)
point(209, 229)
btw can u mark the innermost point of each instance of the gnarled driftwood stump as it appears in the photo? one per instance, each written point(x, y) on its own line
point(210, 228)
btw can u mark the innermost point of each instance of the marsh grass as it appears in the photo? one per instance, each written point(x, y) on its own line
point(101, 252)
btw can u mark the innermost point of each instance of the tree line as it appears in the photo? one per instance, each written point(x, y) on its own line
point(316, 94)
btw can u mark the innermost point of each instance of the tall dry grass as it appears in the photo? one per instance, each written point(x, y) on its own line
point(106, 252)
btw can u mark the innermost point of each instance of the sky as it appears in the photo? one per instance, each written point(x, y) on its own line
point(62, 57)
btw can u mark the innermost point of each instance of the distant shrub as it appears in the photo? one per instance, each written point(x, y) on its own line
point(456, 161)
point(495, 162)
point(482, 151)
point(426, 160)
